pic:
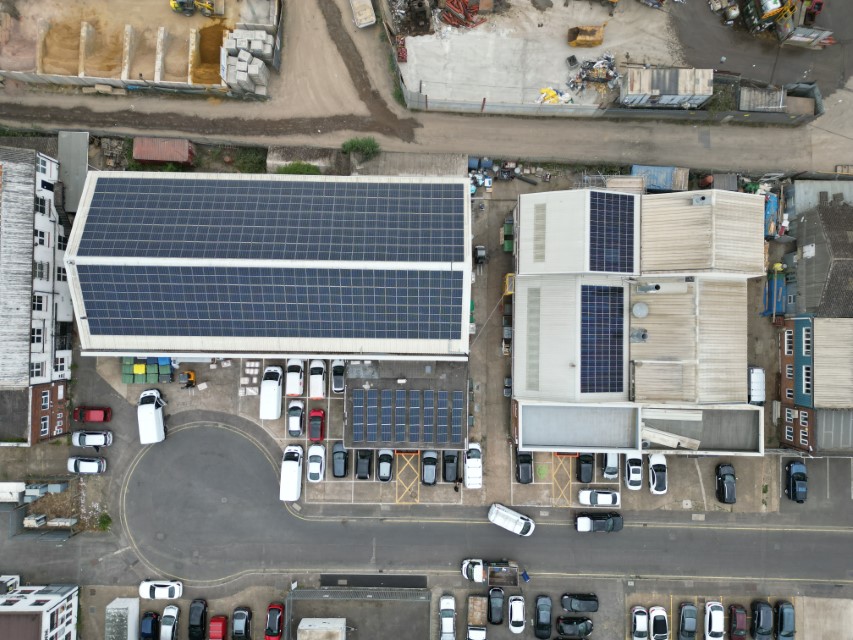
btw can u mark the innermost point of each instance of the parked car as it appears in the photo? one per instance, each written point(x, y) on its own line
point(384, 465)
point(714, 620)
point(515, 609)
point(761, 627)
point(241, 624)
point(659, 623)
point(275, 621)
point(574, 628)
point(785, 623)
point(688, 621)
point(726, 482)
point(218, 628)
point(737, 621)
point(363, 461)
point(316, 425)
point(598, 522)
point(496, 605)
point(270, 398)
point(523, 467)
point(429, 467)
point(542, 621)
point(91, 439)
point(633, 471)
point(83, 465)
point(198, 620)
point(149, 626)
point(450, 466)
point(796, 481)
point(658, 481)
point(639, 623)
point(339, 367)
point(474, 467)
point(92, 414)
point(598, 498)
point(294, 383)
point(169, 623)
point(317, 379)
point(585, 466)
point(610, 466)
point(447, 617)
point(295, 413)
point(579, 602)
point(340, 460)
point(161, 589)
point(316, 463)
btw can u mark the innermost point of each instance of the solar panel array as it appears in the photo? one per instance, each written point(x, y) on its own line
point(271, 302)
point(275, 220)
point(602, 334)
point(417, 418)
point(611, 232)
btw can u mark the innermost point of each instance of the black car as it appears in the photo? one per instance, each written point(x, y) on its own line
point(762, 620)
point(496, 605)
point(198, 620)
point(450, 466)
point(241, 624)
point(579, 602)
point(688, 618)
point(726, 483)
point(542, 621)
point(586, 463)
point(429, 466)
point(785, 624)
point(796, 481)
point(149, 628)
point(363, 460)
point(523, 467)
point(340, 460)
point(574, 628)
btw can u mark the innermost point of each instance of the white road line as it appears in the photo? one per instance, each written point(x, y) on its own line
point(851, 478)
point(827, 478)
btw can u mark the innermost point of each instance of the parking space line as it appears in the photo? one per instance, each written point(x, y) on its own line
point(851, 478)
point(408, 461)
point(561, 495)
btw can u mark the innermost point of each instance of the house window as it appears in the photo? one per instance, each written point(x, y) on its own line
point(36, 369)
point(45, 399)
point(789, 433)
point(789, 342)
point(35, 335)
point(807, 341)
point(40, 603)
point(61, 276)
point(807, 380)
point(59, 364)
point(804, 418)
point(42, 164)
point(790, 298)
point(789, 415)
point(45, 427)
point(41, 205)
point(789, 371)
point(61, 242)
point(38, 302)
point(789, 393)
point(40, 237)
point(41, 270)
point(804, 437)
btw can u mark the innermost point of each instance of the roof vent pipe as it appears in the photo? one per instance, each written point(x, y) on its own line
point(639, 335)
point(648, 288)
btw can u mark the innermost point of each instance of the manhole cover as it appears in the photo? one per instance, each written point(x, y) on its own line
point(161, 535)
point(224, 500)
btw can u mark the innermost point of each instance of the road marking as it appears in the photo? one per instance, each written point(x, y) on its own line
point(851, 478)
point(701, 484)
point(827, 478)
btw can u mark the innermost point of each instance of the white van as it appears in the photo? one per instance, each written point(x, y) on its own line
point(317, 380)
point(511, 520)
point(291, 474)
point(271, 393)
point(149, 412)
point(756, 385)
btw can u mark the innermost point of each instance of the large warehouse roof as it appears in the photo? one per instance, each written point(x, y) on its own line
point(204, 263)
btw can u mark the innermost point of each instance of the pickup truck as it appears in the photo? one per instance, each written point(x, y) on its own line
point(477, 617)
point(92, 414)
point(492, 574)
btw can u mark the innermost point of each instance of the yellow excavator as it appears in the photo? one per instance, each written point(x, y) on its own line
point(188, 7)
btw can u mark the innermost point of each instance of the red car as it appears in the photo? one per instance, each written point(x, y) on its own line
point(92, 414)
point(316, 425)
point(218, 628)
point(737, 624)
point(275, 621)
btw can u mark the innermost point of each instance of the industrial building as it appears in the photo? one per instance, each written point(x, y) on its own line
point(37, 613)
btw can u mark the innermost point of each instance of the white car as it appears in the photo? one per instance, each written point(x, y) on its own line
point(80, 464)
point(317, 380)
point(598, 498)
point(169, 623)
point(294, 383)
point(659, 623)
point(633, 471)
point(91, 439)
point(639, 623)
point(447, 617)
point(295, 412)
point(316, 463)
point(658, 482)
point(161, 589)
point(516, 614)
point(339, 367)
point(714, 620)
point(384, 465)
point(474, 466)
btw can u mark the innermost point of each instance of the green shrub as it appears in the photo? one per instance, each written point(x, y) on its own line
point(105, 522)
point(367, 148)
point(251, 160)
point(300, 168)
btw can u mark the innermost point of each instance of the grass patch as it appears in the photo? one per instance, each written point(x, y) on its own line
point(300, 169)
point(251, 160)
point(105, 522)
point(367, 148)
point(765, 488)
point(13, 439)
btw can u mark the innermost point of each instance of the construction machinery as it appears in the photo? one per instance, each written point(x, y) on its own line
point(188, 7)
point(588, 36)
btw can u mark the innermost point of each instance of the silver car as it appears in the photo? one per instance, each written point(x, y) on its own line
point(91, 439)
point(447, 617)
point(81, 464)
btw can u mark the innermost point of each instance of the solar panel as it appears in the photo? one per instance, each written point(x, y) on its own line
point(611, 232)
point(456, 419)
point(372, 415)
point(441, 427)
point(358, 415)
point(275, 219)
point(211, 301)
point(429, 416)
point(602, 332)
point(386, 415)
point(414, 416)
point(400, 415)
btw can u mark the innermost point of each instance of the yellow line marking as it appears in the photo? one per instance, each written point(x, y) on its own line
point(404, 487)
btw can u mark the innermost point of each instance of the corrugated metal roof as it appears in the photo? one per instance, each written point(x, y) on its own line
point(835, 430)
point(626, 184)
point(669, 82)
point(569, 427)
point(724, 233)
point(73, 166)
point(833, 363)
point(162, 150)
point(662, 178)
point(765, 99)
point(564, 237)
point(722, 341)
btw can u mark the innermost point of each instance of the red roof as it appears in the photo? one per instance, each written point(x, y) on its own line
point(163, 150)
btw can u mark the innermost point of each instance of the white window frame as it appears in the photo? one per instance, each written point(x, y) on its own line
point(36, 335)
point(41, 270)
point(59, 364)
point(40, 237)
point(807, 379)
point(41, 205)
point(789, 342)
point(38, 302)
point(36, 369)
point(804, 437)
point(45, 400)
point(807, 341)
point(61, 242)
point(789, 393)
point(789, 371)
point(61, 274)
point(44, 431)
point(791, 298)
point(789, 432)
point(804, 418)
point(789, 414)
point(42, 164)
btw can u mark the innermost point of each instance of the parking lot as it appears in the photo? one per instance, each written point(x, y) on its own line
point(830, 487)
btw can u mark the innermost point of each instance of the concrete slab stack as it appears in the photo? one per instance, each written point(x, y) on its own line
point(248, 52)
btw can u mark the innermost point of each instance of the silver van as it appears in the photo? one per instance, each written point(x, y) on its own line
point(271, 393)
point(757, 385)
point(149, 413)
point(511, 520)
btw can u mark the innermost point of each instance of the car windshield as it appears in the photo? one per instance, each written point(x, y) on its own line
point(474, 454)
point(294, 368)
point(526, 528)
point(316, 371)
point(294, 411)
point(271, 375)
point(148, 400)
